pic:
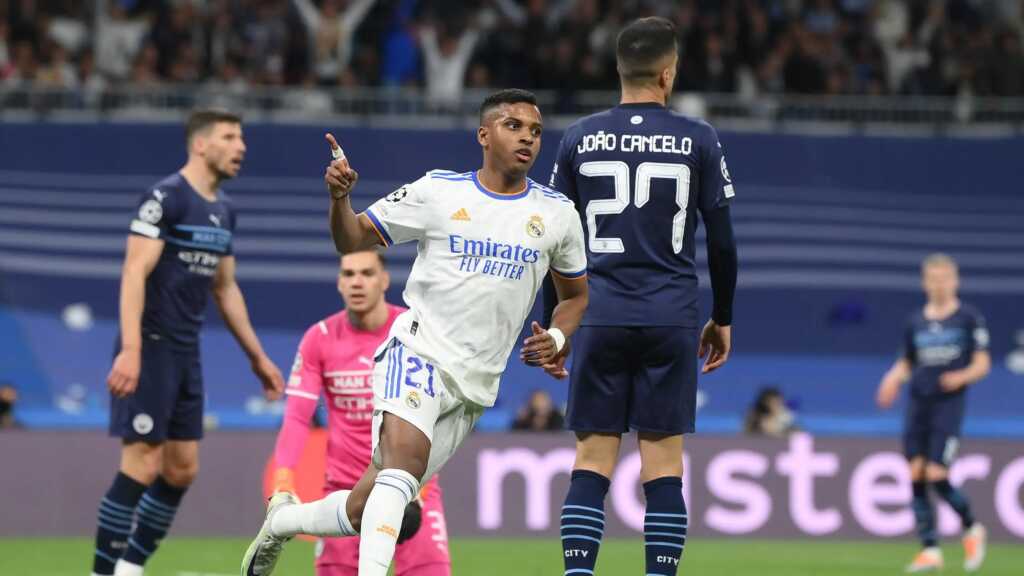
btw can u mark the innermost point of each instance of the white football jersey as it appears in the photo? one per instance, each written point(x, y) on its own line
point(481, 258)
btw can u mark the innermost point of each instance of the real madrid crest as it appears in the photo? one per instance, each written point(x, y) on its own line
point(535, 226)
point(412, 400)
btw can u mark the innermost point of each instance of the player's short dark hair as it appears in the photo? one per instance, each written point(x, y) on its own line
point(376, 251)
point(205, 118)
point(641, 45)
point(506, 96)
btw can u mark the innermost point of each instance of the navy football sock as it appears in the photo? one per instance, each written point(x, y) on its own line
point(665, 525)
point(155, 513)
point(114, 524)
point(956, 500)
point(583, 521)
point(924, 515)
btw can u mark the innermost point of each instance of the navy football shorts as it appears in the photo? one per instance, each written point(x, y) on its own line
point(168, 404)
point(932, 427)
point(640, 378)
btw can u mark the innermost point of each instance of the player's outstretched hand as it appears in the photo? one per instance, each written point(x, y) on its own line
point(124, 374)
point(539, 349)
point(270, 377)
point(715, 343)
point(340, 177)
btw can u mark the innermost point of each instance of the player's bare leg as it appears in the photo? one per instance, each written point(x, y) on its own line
point(597, 452)
point(929, 559)
point(660, 456)
point(666, 520)
point(404, 453)
point(141, 461)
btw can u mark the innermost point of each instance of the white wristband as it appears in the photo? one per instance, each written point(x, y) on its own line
point(559, 338)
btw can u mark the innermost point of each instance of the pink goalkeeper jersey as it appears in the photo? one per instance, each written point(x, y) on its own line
point(335, 360)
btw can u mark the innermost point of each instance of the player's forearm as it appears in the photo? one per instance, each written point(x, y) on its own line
point(980, 366)
point(232, 306)
point(346, 231)
point(132, 303)
point(569, 313)
point(294, 431)
point(898, 374)
point(722, 263)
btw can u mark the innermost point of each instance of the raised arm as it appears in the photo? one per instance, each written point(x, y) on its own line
point(351, 232)
point(232, 306)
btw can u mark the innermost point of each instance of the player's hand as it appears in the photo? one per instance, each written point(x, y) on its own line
point(538, 349)
point(952, 381)
point(887, 393)
point(284, 481)
point(270, 377)
point(124, 374)
point(715, 343)
point(340, 177)
point(556, 369)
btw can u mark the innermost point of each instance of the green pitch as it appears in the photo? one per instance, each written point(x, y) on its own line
point(495, 557)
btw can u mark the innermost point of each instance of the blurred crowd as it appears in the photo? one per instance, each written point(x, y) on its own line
point(749, 47)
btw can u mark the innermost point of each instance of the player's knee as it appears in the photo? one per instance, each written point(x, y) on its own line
point(597, 456)
point(654, 470)
point(141, 462)
point(181, 474)
point(935, 473)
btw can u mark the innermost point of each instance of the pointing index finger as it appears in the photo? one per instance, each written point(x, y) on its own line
point(336, 152)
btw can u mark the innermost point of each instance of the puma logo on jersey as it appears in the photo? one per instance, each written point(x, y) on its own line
point(159, 195)
point(365, 360)
point(461, 215)
point(215, 219)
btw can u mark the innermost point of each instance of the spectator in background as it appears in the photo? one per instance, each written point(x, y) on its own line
point(769, 415)
point(8, 397)
point(5, 54)
point(331, 30)
point(539, 414)
point(117, 39)
point(446, 56)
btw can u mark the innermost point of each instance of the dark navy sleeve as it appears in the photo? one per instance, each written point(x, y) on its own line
point(979, 331)
point(157, 211)
point(722, 263)
point(909, 350)
point(232, 223)
point(716, 187)
point(562, 176)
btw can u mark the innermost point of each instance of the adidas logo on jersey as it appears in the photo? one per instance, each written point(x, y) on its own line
point(461, 215)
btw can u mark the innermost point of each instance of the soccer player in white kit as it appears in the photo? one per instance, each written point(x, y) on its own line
point(485, 240)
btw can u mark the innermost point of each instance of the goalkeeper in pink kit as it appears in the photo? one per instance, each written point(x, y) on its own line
point(335, 359)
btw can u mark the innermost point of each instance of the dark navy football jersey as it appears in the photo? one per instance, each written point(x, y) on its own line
point(638, 174)
point(197, 234)
point(936, 346)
